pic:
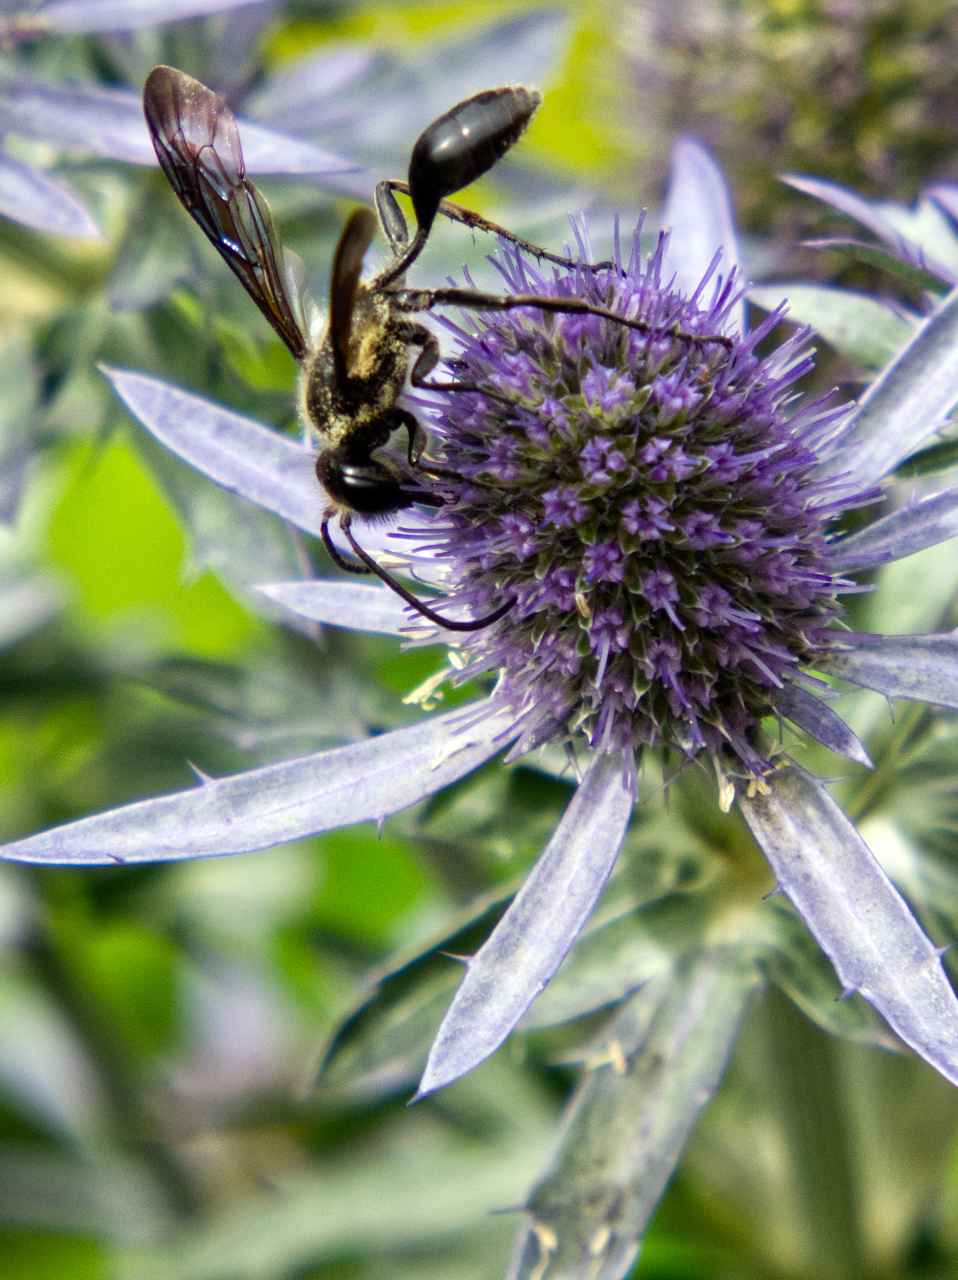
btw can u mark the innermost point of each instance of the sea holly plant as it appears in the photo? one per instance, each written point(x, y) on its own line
point(684, 542)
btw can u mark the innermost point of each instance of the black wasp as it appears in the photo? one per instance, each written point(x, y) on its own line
point(353, 374)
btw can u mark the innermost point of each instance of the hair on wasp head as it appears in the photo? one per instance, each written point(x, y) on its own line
point(353, 375)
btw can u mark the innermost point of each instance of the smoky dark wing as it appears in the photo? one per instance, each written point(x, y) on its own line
point(347, 266)
point(197, 144)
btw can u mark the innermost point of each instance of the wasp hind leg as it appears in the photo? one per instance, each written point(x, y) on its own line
point(394, 225)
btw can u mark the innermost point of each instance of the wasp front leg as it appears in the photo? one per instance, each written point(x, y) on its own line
point(417, 335)
point(414, 451)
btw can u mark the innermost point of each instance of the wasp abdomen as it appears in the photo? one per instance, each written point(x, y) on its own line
point(461, 145)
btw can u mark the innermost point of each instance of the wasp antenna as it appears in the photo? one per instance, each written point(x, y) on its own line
point(372, 567)
point(335, 554)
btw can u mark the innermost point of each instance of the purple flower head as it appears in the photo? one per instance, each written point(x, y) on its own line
point(659, 492)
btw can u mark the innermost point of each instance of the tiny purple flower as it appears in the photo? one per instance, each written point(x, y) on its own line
point(651, 520)
point(605, 391)
point(603, 562)
point(601, 460)
point(562, 507)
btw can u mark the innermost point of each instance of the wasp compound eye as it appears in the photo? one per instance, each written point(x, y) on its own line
point(369, 489)
point(463, 144)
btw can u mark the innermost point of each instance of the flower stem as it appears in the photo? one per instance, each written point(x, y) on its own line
point(816, 1133)
point(876, 785)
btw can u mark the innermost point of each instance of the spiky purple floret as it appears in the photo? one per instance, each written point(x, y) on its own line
point(648, 504)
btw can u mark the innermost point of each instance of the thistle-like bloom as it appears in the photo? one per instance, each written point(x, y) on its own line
point(663, 520)
point(650, 507)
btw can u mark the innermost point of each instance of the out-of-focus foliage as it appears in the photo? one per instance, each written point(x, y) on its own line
point(859, 91)
point(160, 1028)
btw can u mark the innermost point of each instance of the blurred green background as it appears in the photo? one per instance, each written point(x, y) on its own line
point(160, 1028)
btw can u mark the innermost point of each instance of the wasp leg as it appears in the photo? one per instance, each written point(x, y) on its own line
point(414, 454)
point(476, 222)
point(345, 521)
point(402, 418)
point(474, 300)
point(397, 233)
point(414, 450)
point(417, 335)
point(391, 219)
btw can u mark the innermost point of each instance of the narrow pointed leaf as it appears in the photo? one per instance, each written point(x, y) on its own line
point(906, 404)
point(240, 541)
point(387, 1055)
point(529, 943)
point(37, 200)
point(862, 329)
point(698, 213)
point(900, 534)
point(912, 235)
point(344, 604)
point(382, 1043)
point(266, 151)
point(818, 719)
point(927, 232)
point(935, 278)
point(630, 1118)
point(796, 963)
point(604, 966)
point(945, 195)
point(281, 802)
point(242, 455)
point(82, 16)
point(110, 123)
point(238, 453)
point(91, 119)
point(847, 202)
point(930, 461)
point(855, 912)
point(924, 668)
point(612, 959)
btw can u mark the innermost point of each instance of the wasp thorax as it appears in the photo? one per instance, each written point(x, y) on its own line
point(343, 402)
